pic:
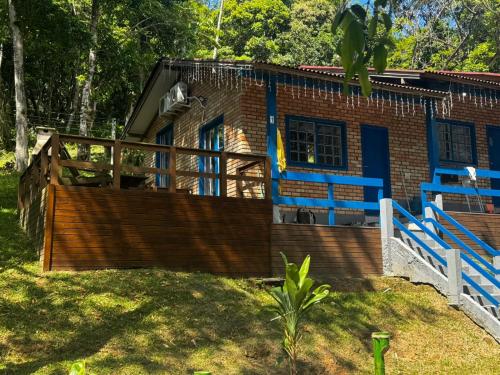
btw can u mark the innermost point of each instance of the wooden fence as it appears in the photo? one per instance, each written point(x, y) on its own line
point(101, 223)
point(92, 228)
point(48, 165)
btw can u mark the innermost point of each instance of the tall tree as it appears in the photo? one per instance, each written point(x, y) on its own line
point(20, 94)
point(251, 28)
point(309, 40)
point(85, 115)
point(448, 35)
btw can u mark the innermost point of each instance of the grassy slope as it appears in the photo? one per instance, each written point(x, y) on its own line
point(157, 322)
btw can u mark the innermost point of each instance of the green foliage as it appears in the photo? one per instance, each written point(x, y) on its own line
point(294, 299)
point(309, 39)
point(451, 35)
point(133, 34)
point(251, 28)
point(7, 160)
point(364, 38)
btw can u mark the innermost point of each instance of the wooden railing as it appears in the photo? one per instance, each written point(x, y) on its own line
point(48, 165)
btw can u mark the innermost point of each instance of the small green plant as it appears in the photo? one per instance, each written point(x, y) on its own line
point(77, 368)
point(294, 299)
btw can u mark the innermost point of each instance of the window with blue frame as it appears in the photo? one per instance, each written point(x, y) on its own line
point(316, 143)
point(164, 137)
point(456, 142)
point(211, 138)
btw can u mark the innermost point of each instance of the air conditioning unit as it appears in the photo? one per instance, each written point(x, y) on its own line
point(165, 103)
point(175, 99)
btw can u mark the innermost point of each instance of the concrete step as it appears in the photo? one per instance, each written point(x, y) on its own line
point(490, 288)
point(479, 279)
point(484, 301)
point(469, 270)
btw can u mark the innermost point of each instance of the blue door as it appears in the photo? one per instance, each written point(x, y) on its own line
point(211, 138)
point(493, 133)
point(164, 137)
point(375, 155)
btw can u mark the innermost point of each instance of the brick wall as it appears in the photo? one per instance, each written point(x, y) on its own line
point(187, 125)
point(407, 140)
point(245, 123)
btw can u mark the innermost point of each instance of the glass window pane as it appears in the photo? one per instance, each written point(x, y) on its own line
point(455, 143)
point(329, 144)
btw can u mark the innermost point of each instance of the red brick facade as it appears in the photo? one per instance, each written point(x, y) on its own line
point(245, 124)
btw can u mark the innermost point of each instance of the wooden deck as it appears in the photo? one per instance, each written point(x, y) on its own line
point(104, 224)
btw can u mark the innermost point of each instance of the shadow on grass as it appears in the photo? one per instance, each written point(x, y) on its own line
point(155, 321)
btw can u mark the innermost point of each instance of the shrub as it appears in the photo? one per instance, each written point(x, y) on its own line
point(293, 300)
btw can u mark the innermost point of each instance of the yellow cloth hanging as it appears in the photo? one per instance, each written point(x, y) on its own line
point(281, 153)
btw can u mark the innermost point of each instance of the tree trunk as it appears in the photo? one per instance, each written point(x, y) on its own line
point(1, 60)
point(20, 95)
point(85, 112)
point(74, 107)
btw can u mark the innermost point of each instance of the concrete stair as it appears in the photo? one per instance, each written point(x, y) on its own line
point(467, 269)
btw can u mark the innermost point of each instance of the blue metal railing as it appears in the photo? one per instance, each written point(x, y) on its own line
point(465, 247)
point(330, 203)
point(481, 173)
point(437, 187)
point(442, 214)
point(431, 234)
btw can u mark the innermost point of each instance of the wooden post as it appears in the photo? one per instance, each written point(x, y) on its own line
point(172, 169)
point(267, 178)
point(44, 165)
point(55, 167)
point(49, 228)
point(223, 174)
point(20, 194)
point(117, 160)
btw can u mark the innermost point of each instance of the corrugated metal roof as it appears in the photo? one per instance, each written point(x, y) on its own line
point(478, 78)
point(298, 70)
point(385, 85)
point(461, 78)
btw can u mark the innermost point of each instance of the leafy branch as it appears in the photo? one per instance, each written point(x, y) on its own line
point(365, 40)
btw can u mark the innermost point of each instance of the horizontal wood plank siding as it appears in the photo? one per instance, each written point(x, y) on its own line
point(485, 226)
point(101, 228)
point(335, 251)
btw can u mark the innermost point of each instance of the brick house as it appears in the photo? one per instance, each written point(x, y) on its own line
point(197, 181)
point(413, 122)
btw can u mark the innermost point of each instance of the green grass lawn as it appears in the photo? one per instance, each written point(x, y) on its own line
point(161, 322)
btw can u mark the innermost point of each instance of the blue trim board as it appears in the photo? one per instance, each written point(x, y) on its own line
point(272, 129)
point(432, 139)
point(493, 140)
point(428, 187)
point(343, 135)
point(332, 179)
